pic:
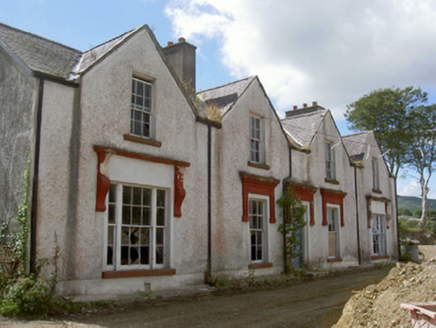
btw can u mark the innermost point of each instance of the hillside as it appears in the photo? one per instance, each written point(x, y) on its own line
point(414, 203)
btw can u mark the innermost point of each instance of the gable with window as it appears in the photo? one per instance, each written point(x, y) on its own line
point(257, 140)
point(330, 161)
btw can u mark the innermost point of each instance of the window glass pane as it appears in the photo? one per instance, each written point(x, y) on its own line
point(110, 256)
point(145, 255)
point(159, 255)
point(125, 236)
point(160, 197)
point(111, 214)
point(160, 217)
point(145, 236)
point(127, 192)
point(159, 236)
point(134, 255)
point(126, 214)
point(137, 196)
point(146, 197)
point(112, 193)
point(136, 215)
point(146, 216)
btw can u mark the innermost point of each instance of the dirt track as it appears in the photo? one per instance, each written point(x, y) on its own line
point(314, 303)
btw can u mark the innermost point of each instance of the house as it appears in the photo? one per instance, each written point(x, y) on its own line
point(324, 180)
point(376, 199)
point(138, 182)
point(250, 161)
point(348, 215)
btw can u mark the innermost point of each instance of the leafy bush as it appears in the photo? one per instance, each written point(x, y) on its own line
point(27, 296)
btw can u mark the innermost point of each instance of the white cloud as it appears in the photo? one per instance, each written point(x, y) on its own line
point(330, 51)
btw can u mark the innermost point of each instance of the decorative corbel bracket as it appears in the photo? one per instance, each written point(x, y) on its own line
point(179, 191)
point(103, 182)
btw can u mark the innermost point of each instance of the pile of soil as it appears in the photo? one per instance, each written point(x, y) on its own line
point(379, 305)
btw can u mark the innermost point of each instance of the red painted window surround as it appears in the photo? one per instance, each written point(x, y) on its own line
point(253, 184)
point(335, 197)
point(305, 193)
point(103, 182)
point(369, 199)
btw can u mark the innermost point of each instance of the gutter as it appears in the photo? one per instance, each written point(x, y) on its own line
point(396, 218)
point(34, 211)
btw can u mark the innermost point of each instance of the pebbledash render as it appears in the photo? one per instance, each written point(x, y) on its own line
point(136, 185)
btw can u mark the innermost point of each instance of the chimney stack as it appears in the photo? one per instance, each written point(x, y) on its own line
point(181, 57)
point(304, 105)
point(295, 107)
point(314, 104)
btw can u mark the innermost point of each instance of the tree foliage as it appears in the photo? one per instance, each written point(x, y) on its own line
point(293, 222)
point(405, 128)
point(387, 113)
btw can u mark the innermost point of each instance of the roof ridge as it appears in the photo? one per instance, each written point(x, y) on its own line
point(41, 38)
point(357, 133)
point(227, 84)
point(114, 38)
point(318, 112)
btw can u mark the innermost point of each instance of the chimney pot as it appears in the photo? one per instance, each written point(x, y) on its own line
point(182, 40)
point(315, 104)
point(295, 107)
point(304, 105)
point(170, 43)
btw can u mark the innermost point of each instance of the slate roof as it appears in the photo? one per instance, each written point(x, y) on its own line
point(357, 144)
point(224, 96)
point(39, 54)
point(52, 58)
point(302, 125)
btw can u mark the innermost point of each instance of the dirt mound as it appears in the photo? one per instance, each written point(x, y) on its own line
point(379, 305)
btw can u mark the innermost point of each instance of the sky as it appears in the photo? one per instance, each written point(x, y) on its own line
point(332, 52)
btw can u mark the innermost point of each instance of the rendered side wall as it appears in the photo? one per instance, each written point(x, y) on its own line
point(18, 94)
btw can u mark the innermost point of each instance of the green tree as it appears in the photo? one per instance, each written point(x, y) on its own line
point(404, 212)
point(421, 154)
point(386, 112)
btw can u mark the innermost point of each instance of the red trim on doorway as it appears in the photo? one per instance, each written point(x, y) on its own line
point(305, 193)
point(103, 184)
point(254, 184)
point(332, 197)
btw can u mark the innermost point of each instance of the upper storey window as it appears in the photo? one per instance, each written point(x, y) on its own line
point(256, 140)
point(141, 109)
point(375, 175)
point(330, 161)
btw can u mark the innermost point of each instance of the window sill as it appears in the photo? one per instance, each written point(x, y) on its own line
point(332, 181)
point(338, 259)
point(260, 265)
point(377, 191)
point(143, 141)
point(137, 273)
point(379, 257)
point(258, 165)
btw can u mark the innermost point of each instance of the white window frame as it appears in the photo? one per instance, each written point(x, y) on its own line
point(378, 234)
point(118, 226)
point(336, 208)
point(375, 175)
point(306, 233)
point(330, 160)
point(265, 202)
point(140, 112)
point(257, 140)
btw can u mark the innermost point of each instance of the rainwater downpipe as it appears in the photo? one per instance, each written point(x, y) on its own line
point(396, 218)
point(209, 204)
point(34, 210)
point(357, 215)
